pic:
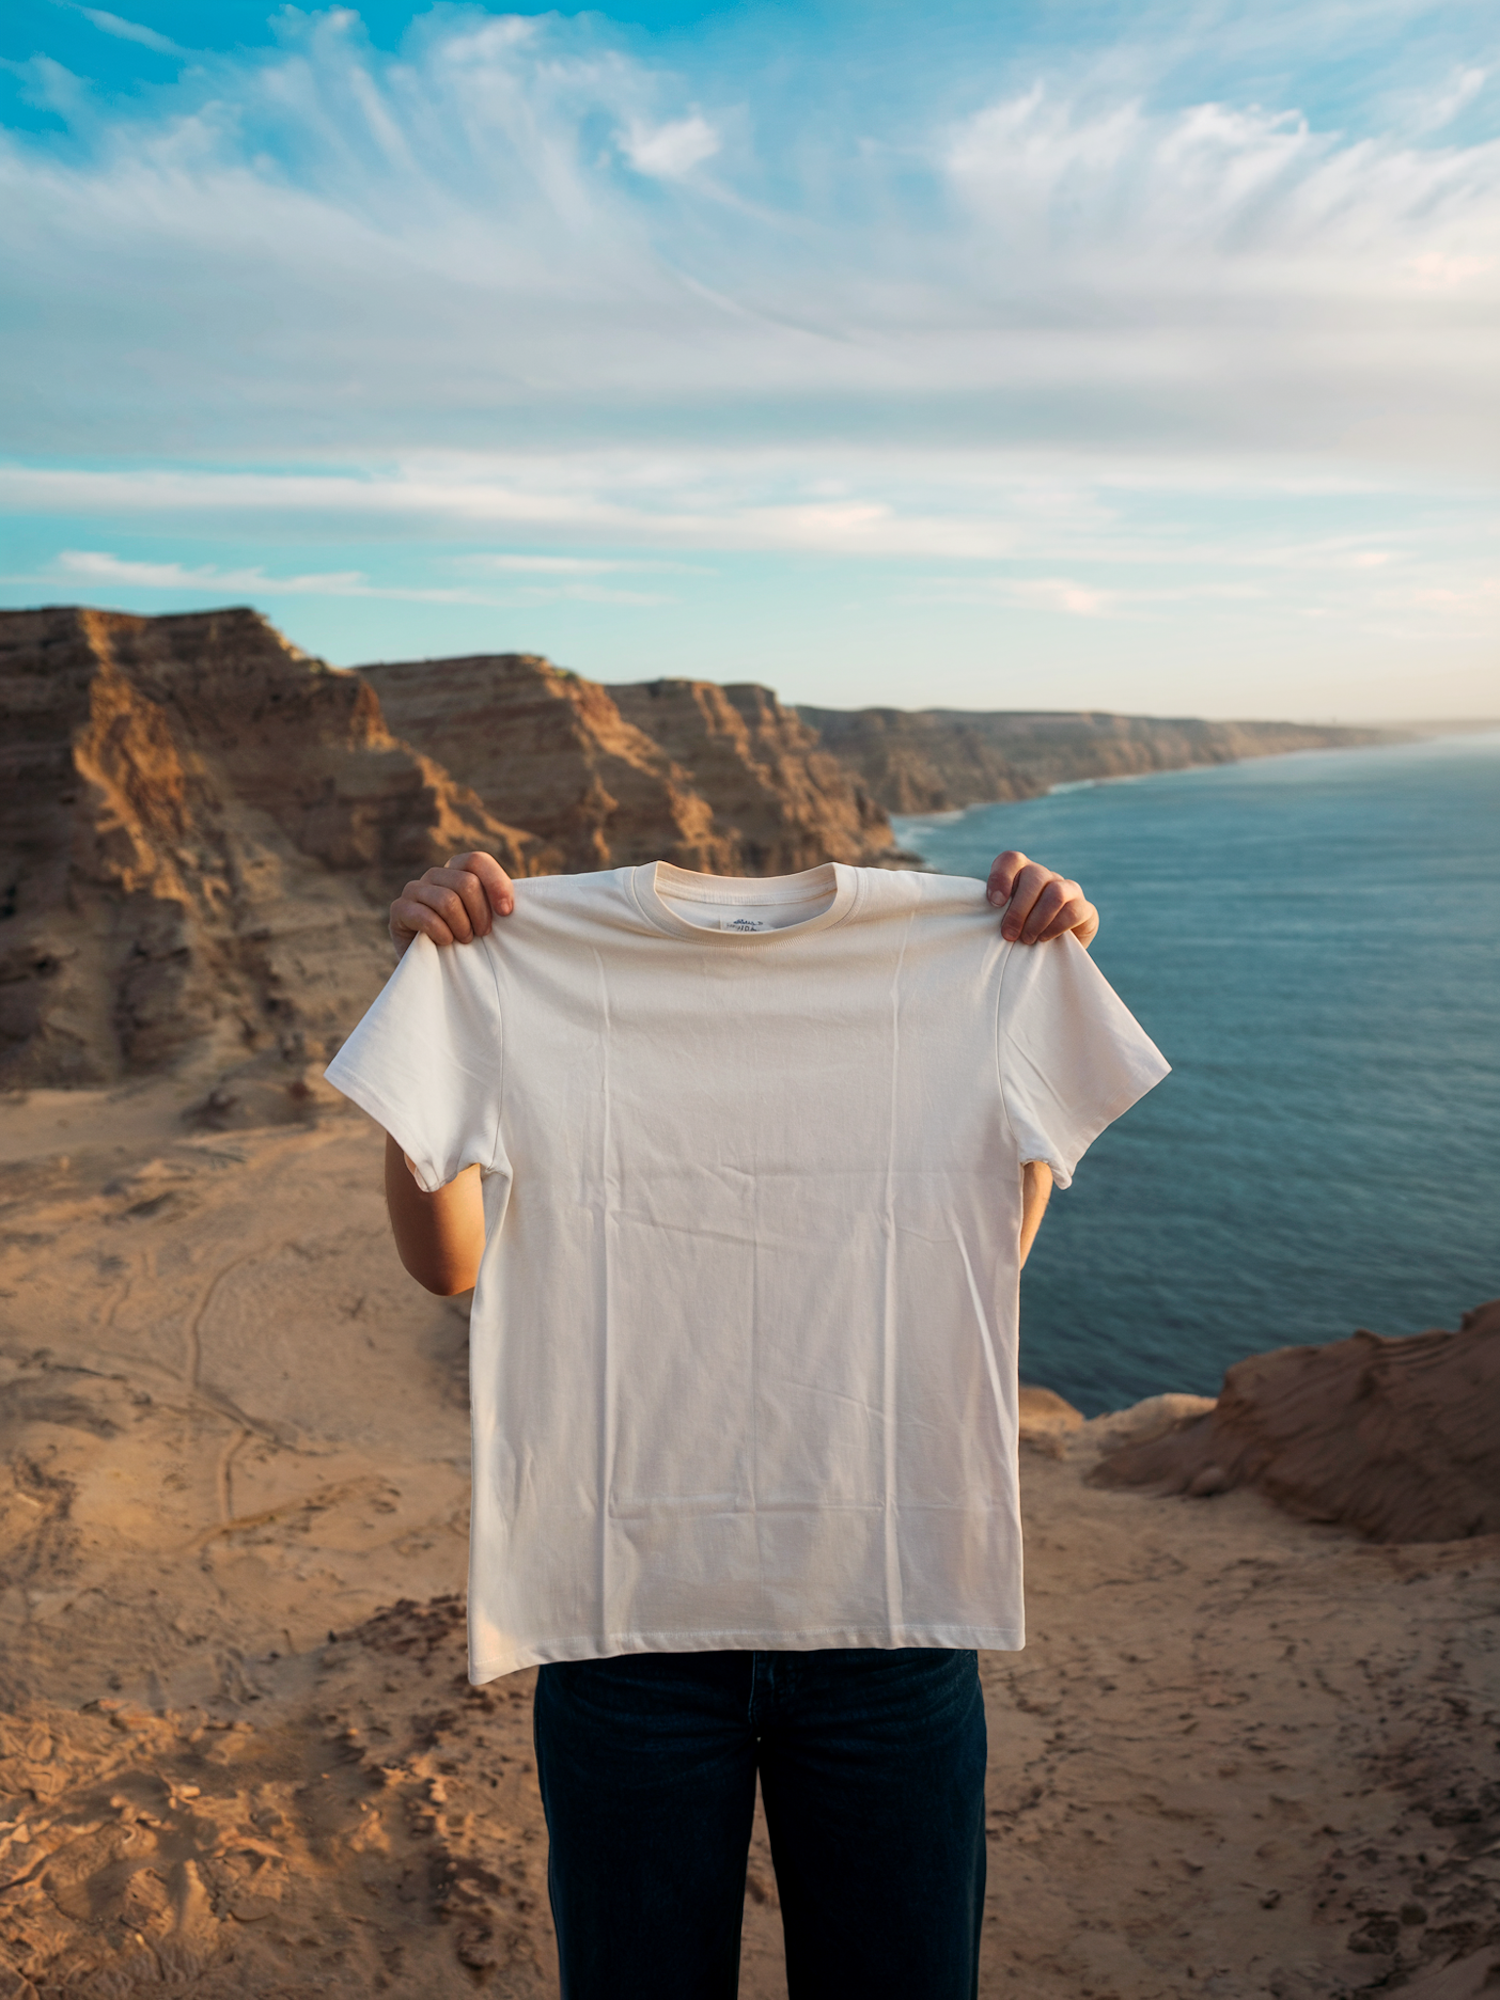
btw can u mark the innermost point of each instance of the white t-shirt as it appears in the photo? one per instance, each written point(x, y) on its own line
point(743, 1342)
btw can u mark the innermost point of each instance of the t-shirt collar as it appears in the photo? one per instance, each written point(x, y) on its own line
point(653, 881)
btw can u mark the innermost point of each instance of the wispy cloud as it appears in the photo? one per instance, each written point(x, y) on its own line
point(324, 242)
point(97, 569)
point(129, 31)
point(1456, 97)
point(1090, 338)
point(1048, 509)
point(540, 565)
point(667, 152)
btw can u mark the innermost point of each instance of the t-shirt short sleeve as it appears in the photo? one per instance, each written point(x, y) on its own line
point(426, 1060)
point(1072, 1056)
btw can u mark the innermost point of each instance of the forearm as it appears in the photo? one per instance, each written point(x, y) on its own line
point(440, 1237)
point(1036, 1191)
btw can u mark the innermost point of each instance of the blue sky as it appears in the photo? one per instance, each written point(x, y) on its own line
point(1132, 357)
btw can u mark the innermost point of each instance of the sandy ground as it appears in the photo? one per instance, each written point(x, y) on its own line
point(1240, 1756)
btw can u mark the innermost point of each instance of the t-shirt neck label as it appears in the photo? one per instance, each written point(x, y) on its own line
point(685, 904)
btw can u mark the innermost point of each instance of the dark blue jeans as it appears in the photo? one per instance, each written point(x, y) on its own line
point(872, 1770)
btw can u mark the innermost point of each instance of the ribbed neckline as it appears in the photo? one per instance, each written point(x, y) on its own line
point(654, 882)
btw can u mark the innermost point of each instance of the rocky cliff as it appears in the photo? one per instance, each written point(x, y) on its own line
point(722, 779)
point(775, 792)
point(199, 830)
point(940, 759)
point(1397, 1439)
point(201, 826)
point(559, 753)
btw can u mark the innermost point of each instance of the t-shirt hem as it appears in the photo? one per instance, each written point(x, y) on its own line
point(981, 1638)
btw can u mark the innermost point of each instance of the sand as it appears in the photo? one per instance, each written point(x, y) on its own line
point(1242, 1754)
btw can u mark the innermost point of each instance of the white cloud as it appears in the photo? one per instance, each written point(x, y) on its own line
point(51, 87)
point(1053, 510)
point(667, 152)
point(584, 593)
point(1459, 95)
point(1178, 207)
point(98, 566)
point(1061, 593)
point(326, 243)
point(97, 569)
point(130, 31)
point(561, 565)
point(482, 321)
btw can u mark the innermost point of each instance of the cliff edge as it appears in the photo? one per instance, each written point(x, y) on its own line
point(199, 832)
point(722, 779)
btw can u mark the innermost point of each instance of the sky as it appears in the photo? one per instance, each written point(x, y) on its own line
point(1038, 355)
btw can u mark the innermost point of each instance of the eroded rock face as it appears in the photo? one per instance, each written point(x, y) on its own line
point(552, 752)
point(722, 779)
point(199, 831)
point(1397, 1439)
point(939, 759)
point(777, 795)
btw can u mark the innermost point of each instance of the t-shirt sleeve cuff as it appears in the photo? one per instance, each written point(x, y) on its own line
point(1063, 1155)
point(347, 1080)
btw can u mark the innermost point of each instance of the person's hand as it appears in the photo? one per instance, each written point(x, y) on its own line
point(452, 905)
point(1043, 904)
point(459, 902)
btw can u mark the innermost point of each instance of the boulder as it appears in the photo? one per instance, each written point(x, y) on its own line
point(1397, 1439)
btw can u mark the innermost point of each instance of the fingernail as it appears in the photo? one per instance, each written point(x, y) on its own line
point(1010, 931)
point(996, 898)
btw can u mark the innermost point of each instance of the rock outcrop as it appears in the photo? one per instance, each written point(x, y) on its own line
point(775, 792)
point(940, 759)
point(200, 829)
point(559, 754)
point(1397, 1439)
point(723, 779)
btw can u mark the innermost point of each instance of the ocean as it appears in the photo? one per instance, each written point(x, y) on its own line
point(1313, 941)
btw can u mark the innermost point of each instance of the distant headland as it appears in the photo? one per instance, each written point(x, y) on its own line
point(941, 759)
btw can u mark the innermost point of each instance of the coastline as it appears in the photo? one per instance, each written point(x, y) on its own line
point(903, 824)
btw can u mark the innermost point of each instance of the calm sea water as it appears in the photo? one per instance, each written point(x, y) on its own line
point(1314, 943)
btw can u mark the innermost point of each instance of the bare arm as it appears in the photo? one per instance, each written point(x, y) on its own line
point(1036, 1191)
point(440, 1237)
